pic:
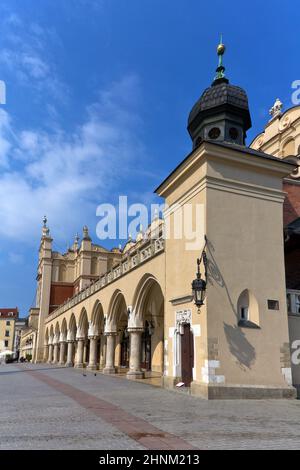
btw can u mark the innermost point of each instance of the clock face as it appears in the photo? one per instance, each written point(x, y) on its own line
point(214, 133)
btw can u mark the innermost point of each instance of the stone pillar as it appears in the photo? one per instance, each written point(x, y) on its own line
point(110, 353)
point(62, 353)
point(50, 356)
point(70, 353)
point(102, 352)
point(46, 352)
point(80, 345)
point(93, 353)
point(135, 354)
point(55, 354)
point(84, 351)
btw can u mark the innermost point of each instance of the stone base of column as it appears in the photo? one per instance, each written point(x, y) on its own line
point(109, 370)
point(135, 374)
point(61, 363)
point(92, 367)
point(69, 364)
point(79, 365)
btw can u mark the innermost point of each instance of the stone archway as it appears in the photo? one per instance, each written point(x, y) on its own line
point(97, 338)
point(82, 355)
point(56, 344)
point(46, 345)
point(71, 341)
point(115, 330)
point(147, 328)
point(63, 343)
point(50, 345)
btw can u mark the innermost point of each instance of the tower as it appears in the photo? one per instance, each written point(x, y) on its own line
point(222, 113)
point(236, 345)
point(44, 287)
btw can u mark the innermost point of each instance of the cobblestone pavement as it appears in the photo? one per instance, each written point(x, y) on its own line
point(48, 407)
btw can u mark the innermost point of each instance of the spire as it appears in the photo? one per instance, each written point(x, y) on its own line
point(76, 242)
point(86, 235)
point(220, 69)
point(45, 230)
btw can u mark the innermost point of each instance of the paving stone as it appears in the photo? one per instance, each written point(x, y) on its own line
point(34, 415)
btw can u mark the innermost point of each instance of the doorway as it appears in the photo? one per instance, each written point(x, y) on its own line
point(187, 355)
point(146, 348)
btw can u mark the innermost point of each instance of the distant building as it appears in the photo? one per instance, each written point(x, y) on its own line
point(20, 325)
point(8, 318)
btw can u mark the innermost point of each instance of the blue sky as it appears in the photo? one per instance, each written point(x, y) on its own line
point(98, 95)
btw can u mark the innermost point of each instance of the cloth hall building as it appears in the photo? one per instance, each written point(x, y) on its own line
point(133, 309)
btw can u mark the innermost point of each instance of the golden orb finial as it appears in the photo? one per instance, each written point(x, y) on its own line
point(221, 49)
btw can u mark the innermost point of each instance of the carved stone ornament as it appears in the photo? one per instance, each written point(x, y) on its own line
point(183, 317)
point(276, 108)
point(284, 123)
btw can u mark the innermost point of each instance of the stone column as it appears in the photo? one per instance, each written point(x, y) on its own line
point(55, 354)
point(80, 345)
point(102, 352)
point(135, 354)
point(62, 353)
point(110, 353)
point(70, 353)
point(50, 356)
point(84, 351)
point(93, 353)
point(46, 352)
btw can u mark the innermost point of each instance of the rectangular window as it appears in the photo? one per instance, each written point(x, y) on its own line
point(7, 333)
point(6, 344)
point(8, 323)
point(273, 305)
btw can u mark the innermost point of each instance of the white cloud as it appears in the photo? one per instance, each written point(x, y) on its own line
point(66, 175)
point(23, 53)
point(16, 258)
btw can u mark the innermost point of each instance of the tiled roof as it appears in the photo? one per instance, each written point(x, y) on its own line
point(9, 312)
point(219, 95)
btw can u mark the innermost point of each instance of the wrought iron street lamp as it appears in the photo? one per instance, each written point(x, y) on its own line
point(199, 287)
point(199, 284)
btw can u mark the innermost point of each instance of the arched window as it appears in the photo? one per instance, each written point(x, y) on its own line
point(62, 273)
point(289, 148)
point(247, 309)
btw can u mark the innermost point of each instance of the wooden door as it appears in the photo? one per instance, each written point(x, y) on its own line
point(187, 355)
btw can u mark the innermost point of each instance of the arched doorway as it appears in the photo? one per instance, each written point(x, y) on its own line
point(82, 353)
point(149, 310)
point(96, 333)
point(117, 323)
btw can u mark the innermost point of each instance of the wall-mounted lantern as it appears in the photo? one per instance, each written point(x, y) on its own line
point(199, 284)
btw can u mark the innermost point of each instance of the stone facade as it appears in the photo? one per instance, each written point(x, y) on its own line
point(133, 309)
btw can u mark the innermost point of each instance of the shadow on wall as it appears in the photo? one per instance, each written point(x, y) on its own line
point(239, 345)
